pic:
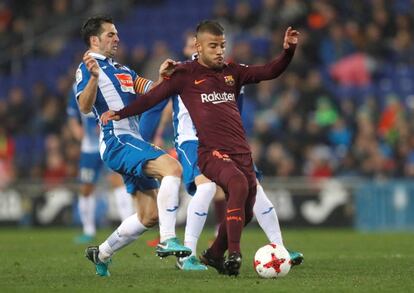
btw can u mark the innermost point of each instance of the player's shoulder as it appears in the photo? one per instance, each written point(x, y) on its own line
point(185, 65)
point(81, 67)
point(183, 68)
point(234, 68)
point(234, 65)
point(124, 67)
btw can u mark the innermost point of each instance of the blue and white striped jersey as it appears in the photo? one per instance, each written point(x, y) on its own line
point(184, 129)
point(118, 86)
point(90, 140)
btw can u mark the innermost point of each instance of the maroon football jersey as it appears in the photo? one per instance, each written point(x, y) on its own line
point(210, 96)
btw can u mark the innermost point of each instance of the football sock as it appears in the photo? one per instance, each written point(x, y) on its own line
point(86, 206)
point(167, 201)
point(123, 202)
point(234, 219)
point(129, 230)
point(219, 245)
point(220, 211)
point(197, 214)
point(266, 216)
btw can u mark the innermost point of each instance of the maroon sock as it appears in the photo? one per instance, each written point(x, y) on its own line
point(234, 219)
point(220, 210)
point(219, 246)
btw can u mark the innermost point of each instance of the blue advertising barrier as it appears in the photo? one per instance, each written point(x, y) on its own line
point(384, 206)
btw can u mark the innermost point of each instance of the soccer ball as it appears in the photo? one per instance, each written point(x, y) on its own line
point(272, 261)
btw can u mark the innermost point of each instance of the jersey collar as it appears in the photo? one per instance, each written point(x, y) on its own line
point(103, 58)
point(98, 56)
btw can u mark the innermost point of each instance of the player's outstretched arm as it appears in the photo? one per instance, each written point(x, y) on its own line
point(87, 97)
point(277, 66)
point(143, 103)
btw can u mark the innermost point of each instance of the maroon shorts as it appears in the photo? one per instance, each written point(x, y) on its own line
point(213, 163)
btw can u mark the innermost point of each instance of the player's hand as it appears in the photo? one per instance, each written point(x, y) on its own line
point(291, 38)
point(167, 68)
point(108, 116)
point(91, 64)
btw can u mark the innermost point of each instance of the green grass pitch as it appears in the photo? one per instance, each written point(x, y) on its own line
point(47, 260)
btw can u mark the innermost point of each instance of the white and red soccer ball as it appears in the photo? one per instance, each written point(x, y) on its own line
point(272, 261)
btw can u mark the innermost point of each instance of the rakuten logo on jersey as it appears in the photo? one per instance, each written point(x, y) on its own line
point(217, 98)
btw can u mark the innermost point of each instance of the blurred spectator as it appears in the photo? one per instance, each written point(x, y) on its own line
point(7, 152)
point(138, 58)
point(319, 162)
point(55, 168)
point(352, 70)
point(19, 112)
point(335, 45)
point(159, 53)
point(244, 17)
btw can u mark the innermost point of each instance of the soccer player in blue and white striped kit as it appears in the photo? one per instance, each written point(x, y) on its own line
point(104, 84)
point(85, 130)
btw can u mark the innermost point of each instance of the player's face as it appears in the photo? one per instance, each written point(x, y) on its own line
point(210, 49)
point(108, 40)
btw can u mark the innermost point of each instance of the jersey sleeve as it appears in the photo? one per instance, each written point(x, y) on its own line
point(142, 85)
point(82, 78)
point(271, 70)
point(149, 120)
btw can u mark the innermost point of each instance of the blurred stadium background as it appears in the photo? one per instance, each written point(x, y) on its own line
point(334, 136)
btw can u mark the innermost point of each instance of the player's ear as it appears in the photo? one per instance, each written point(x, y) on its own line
point(197, 45)
point(94, 41)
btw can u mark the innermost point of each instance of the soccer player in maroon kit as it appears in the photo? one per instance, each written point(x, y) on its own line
point(209, 88)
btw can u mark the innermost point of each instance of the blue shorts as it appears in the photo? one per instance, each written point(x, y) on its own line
point(128, 155)
point(90, 166)
point(188, 157)
point(259, 174)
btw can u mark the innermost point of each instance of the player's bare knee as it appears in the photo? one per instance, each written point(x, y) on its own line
point(174, 168)
point(149, 219)
point(87, 189)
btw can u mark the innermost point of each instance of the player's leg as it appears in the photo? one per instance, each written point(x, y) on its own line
point(219, 207)
point(90, 165)
point(127, 232)
point(168, 170)
point(86, 207)
point(196, 217)
point(129, 155)
point(202, 191)
point(123, 200)
point(267, 218)
point(225, 172)
point(132, 227)
point(234, 259)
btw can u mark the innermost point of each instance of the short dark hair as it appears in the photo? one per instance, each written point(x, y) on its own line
point(210, 26)
point(93, 27)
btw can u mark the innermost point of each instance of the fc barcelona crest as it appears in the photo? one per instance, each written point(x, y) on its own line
point(229, 80)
